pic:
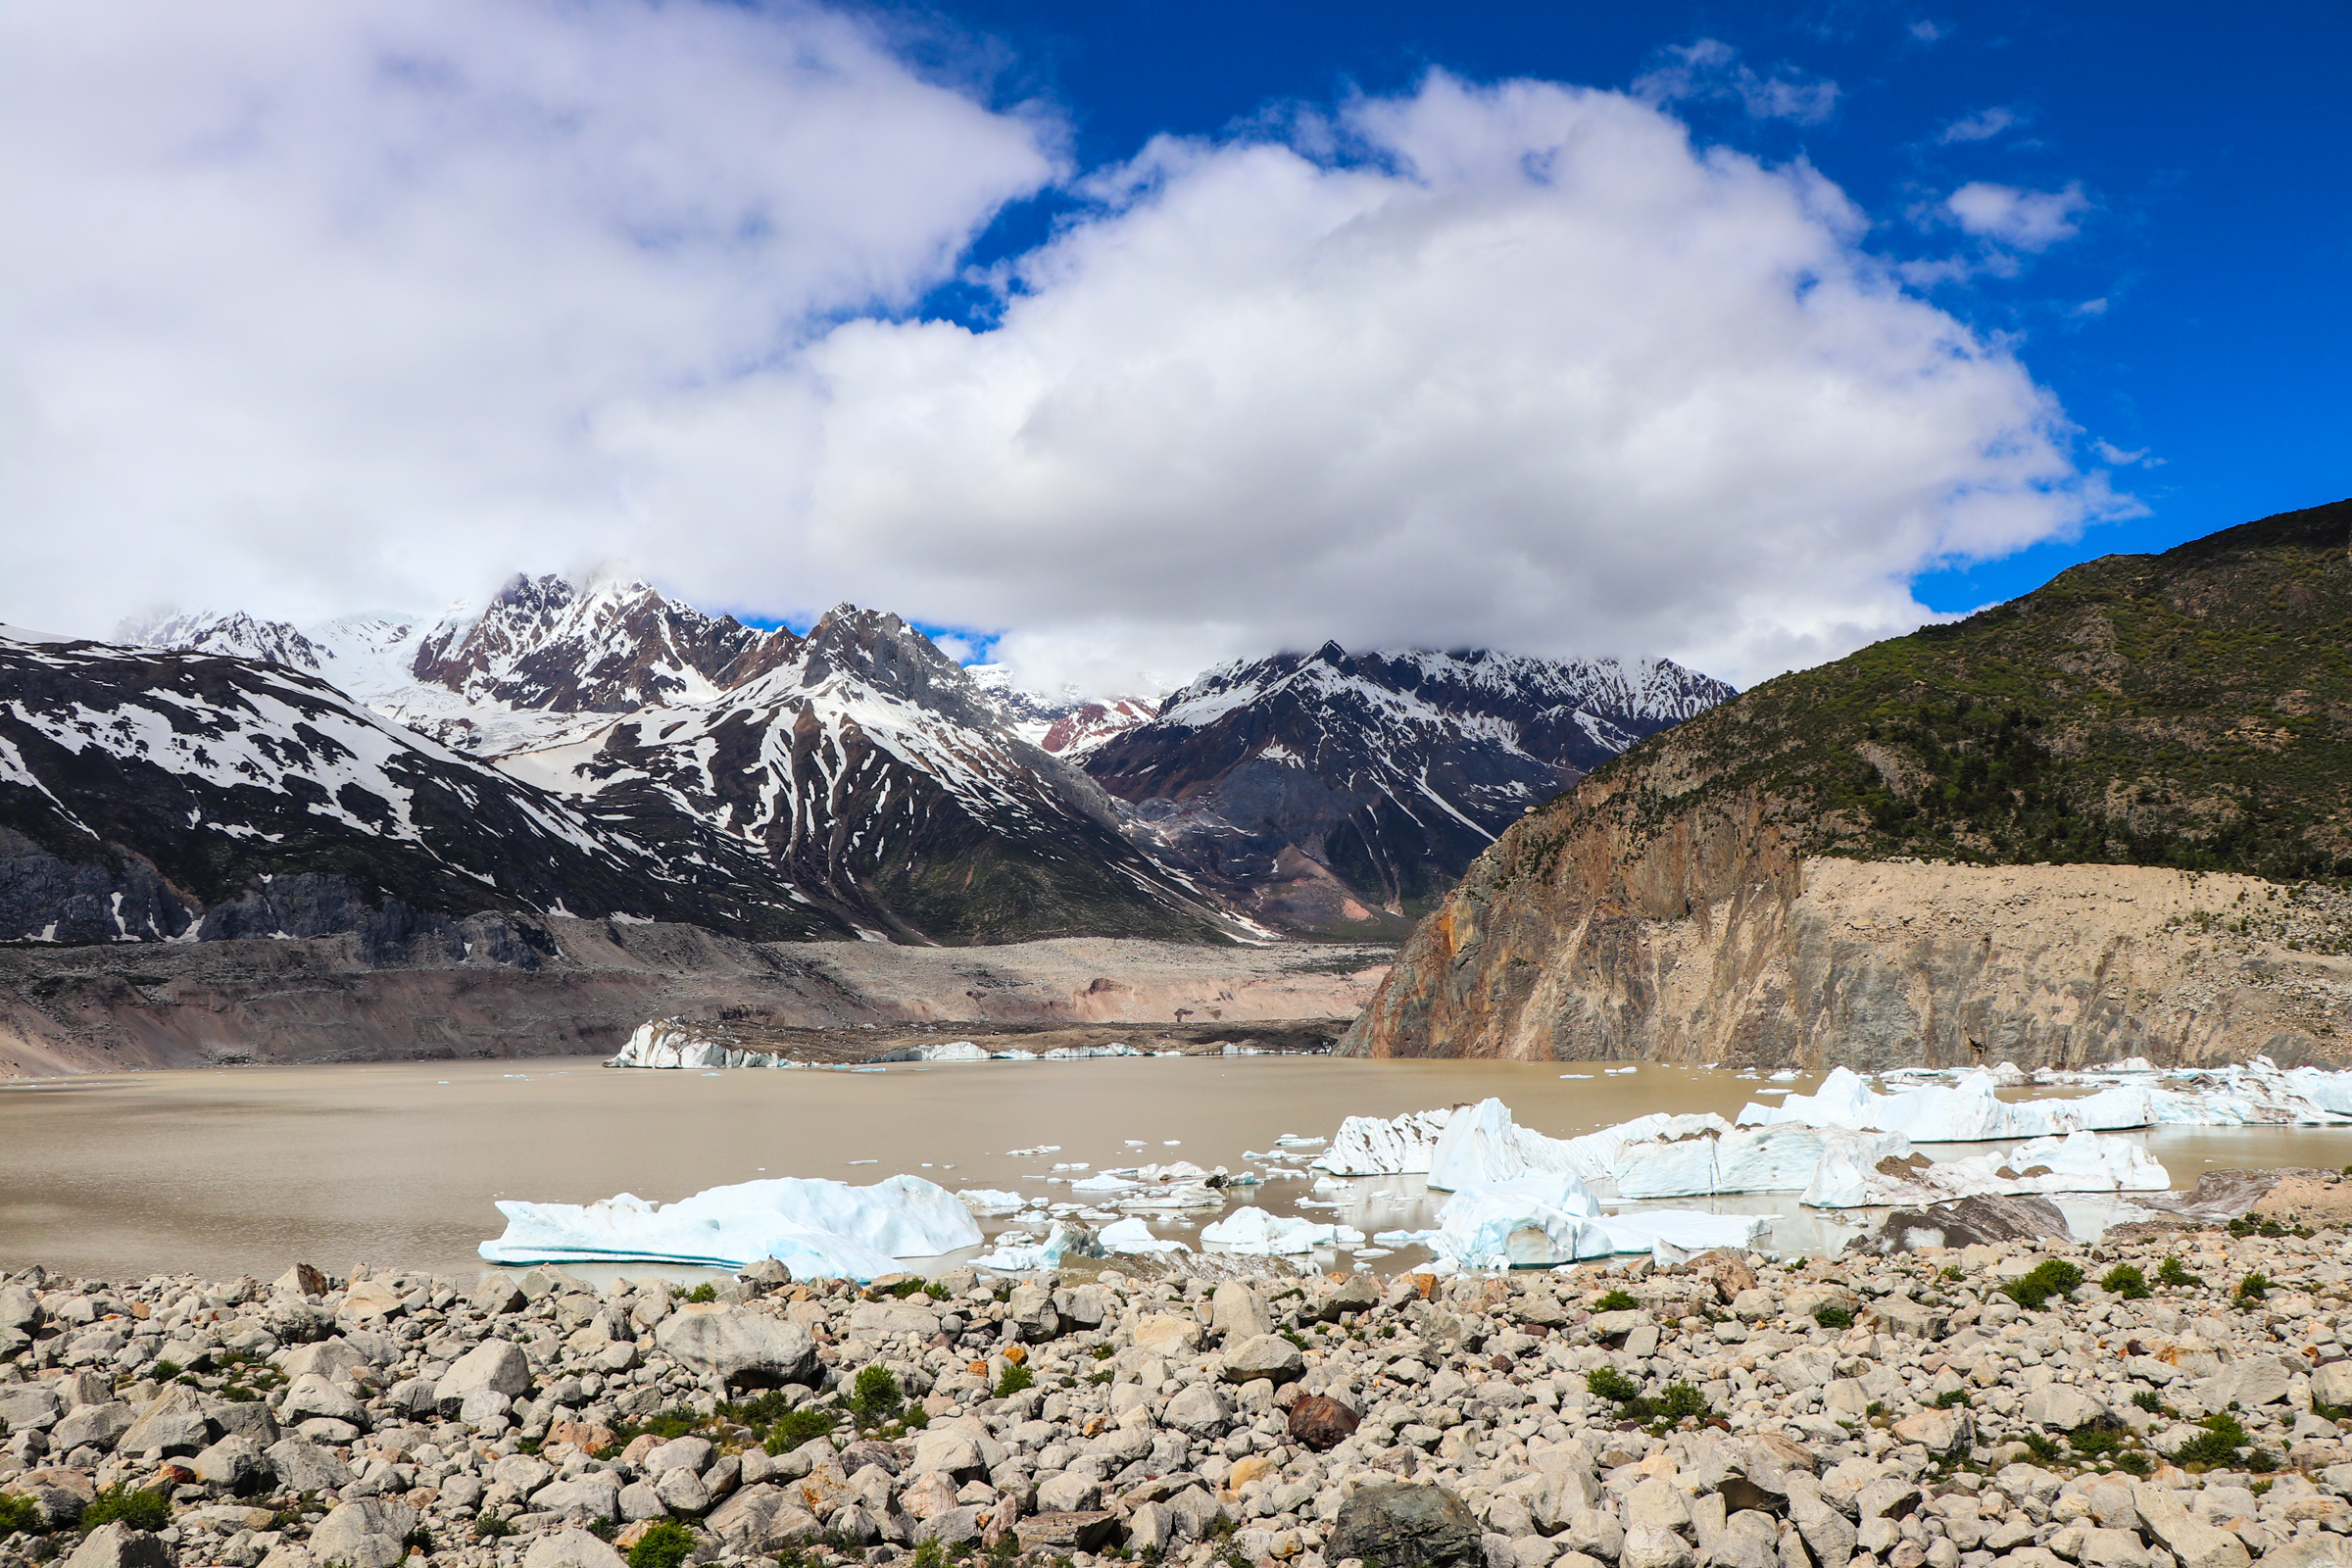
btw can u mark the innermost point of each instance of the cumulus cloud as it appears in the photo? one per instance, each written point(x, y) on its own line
point(1711, 68)
point(1982, 125)
point(2023, 219)
point(345, 308)
point(320, 301)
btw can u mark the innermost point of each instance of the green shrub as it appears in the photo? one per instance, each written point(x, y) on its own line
point(19, 1515)
point(2254, 1287)
point(1682, 1402)
point(1833, 1315)
point(1617, 1302)
point(666, 1545)
point(165, 1371)
point(915, 1418)
point(2047, 1278)
point(875, 1396)
point(931, 1554)
point(418, 1540)
point(2126, 1281)
point(2094, 1441)
point(675, 1422)
point(1950, 1274)
point(2135, 1461)
point(2219, 1443)
point(705, 1291)
point(141, 1511)
point(490, 1527)
point(936, 1291)
point(1016, 1378)
point(2146, 1400)
point(2042, 1448)
point(1950, 1397)
point(797, 1427)
point(2174, 1274)
point(1611, 1384)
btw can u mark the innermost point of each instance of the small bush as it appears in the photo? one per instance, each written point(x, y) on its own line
point(2094, 1441)
point(675, 1422)
point(705, 1291)
point(19, 1515)
point(936, 1291)
point(1682, 1402)
point(1950, 1274)
point(1951, 1398)
point(1833, 1315)
point(931, 1554)
point(915, 1418)
point(2042, 1448)
point(1617, 1302)
point(2134, 1460)
point(1877, 1408)
point(875, 1396)
point(2254, 1287)
point(2176, 1275)
point(1016, 1378)
point(490, 1527)
point(141, 1511)
point(666, 1545)
point(2146, 1400)
point(165, 1371)
point(1611, 1384)
point(797, 1427)
point(418, 1540)
point(2223, 1437)
point(2048, 1278)
point(2126, 1281)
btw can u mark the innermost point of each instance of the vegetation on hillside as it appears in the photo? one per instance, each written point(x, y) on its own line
point(2189, 710)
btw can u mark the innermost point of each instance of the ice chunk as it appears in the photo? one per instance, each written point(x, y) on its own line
point(1967, 1110)
point(814, 1226)
point(991, 1201)
point(1686, 1230)
point(1530, 1221)
point(1252, 1230)
point(1859, 1169)
point(1131, 1236)
point(1482, 1144)
point(1728, 1160)
point(1367, 1146)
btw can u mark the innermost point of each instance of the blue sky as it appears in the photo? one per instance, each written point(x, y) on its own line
point(1121, 338)
point(2214, 247)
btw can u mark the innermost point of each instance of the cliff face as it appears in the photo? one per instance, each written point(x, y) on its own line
point(1814, 873)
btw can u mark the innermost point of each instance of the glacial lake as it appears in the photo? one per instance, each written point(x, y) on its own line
point(245, 1170)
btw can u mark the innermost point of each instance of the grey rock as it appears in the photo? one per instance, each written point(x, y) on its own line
point(639, 1501)
point(496, 1291)
point(1071, 1492)
point(371, 1532)
point(98, 1424)
point(235, 1464)
point(1749, 1540)
point(312, 1396)
point(304, 1466)
point(1030, 1310)
point(119, 1545)
point(874, 1319)
point(498, 1365)
point(1268, 1355)
point(592, 1494)
point(571, 1548)
point(682, 1491)
point(1965, 1222)
point(955, 1452)
point(175, 1423)
point(1237, 1313)
point(1594, 1532)
point(247, 1418)
point(1198, 1410)
point(762, 1518)
point(2192, 1541)
point(328, 1358)
point(1404, 1525)
point(737, 1347)
point(1656, 1502)
point(1653, 1546)
point(1059, 1535)
point(30, 1406)
point(2066, 1408)
point(690, 1453)
point(955, 1527)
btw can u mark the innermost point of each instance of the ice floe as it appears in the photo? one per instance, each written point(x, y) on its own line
point(1860, 1170)
point(1966, 1111)
point(1252, 1230)
point(1367, 1146)
point(814, 1226)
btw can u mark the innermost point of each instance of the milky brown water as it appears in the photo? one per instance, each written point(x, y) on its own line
point(247, 1169)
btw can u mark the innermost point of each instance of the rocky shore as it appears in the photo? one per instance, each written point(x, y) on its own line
point(2177, 1396)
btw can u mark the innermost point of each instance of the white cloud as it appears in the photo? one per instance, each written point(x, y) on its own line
point(346, 308)
point(1710, 68)
point(314, 301)
point(2023, 219)
point(2116, 457)
point(1982, 125)
point(1928, 31)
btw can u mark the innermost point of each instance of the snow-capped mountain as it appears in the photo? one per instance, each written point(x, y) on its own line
point(884, 782)
point(159, 795)
point(1069, 725)
point(1330, 791)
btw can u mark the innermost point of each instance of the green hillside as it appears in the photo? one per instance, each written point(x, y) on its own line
point(2190, 709)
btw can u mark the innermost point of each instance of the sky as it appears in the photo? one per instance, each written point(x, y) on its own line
point(1112, 339)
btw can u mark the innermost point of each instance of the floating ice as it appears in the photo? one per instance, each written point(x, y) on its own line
point(1968, 1110)
point(1131, 1236)
point(1367, 1146)
point(1531, 1221)
point(816, 1228)
point(1862, 1169)
point(1252, 1230)
point(991, 1201)
point(1103, 1182)
point(1685, 1229)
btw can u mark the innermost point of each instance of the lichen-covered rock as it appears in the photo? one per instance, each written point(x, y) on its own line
point(1401, 1525)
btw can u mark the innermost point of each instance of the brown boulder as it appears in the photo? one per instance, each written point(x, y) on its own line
point(1320, 1422)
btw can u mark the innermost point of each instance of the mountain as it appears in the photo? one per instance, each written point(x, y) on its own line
point(2076, 826)
point(155, 795)
point(1069, 725)
point(871, 771)
point(1343, 793)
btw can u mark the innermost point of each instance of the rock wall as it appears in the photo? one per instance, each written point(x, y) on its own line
point(573, 987)
point(1706, 942)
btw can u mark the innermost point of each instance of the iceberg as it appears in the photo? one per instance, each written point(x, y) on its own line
point(1534, 1221)
point(814, 1226)
point(1252, 1230)
point(1132, 1235)
point(1481, 1144)
point(1870, 1169)
point(1778, 1158)
point(1367, 1146)
point(1686, 1230)
point(1967, 1110)
point(992, 1200)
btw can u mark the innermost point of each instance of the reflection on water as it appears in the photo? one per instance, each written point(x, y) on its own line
point(246, 1169)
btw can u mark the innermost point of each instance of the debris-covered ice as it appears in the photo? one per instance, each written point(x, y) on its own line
point(815, 1228)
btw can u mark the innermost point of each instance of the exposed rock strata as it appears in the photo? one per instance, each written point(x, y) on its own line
point(588, 983)
point(1708, 942)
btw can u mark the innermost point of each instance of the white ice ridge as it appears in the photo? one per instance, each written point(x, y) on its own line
point(677, 1043)
point(1547, 1218)
point(815, 1228)
point(1859, 1171)
point(1251, 1229)
point(1119, 1239)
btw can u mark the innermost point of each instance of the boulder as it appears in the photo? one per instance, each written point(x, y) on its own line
point(595, 1495)
point(1237, 1313)
point(1317, 1421)
point(1965, 1222)
point(875, 1320)
point(2192, 1542)
point(235, 1465)
point(496, 1365)
point(312, 1397)
point(301, 1465)
point(690, 1453)
point(496, 1291)
point(950, 1452)
point(369, 1532)
point(330, 1358)
point(2333, 1384)
point(682, 1491)
point(174, 1423)
point(1268, 1355)
point(2064, 1406)
point(738, 1347)
point(1165, 1334)
point(1030, 1310)
point(762, 1519)
point(30, 1406)
point(1405, 1525)
point(958, 1527)
point(1073, 1491)
point(1061, 1534)
point(59, 1493)
point(1654, 1547)
point(1937, 1430)
point(119, 1545)
point(100, 1426)
point(571, 1548)
point(1198, 1410)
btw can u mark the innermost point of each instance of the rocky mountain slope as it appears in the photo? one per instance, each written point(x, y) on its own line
point(1069, 724)
point(1747, 887)
point(1345, 793)
point(149, 796)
